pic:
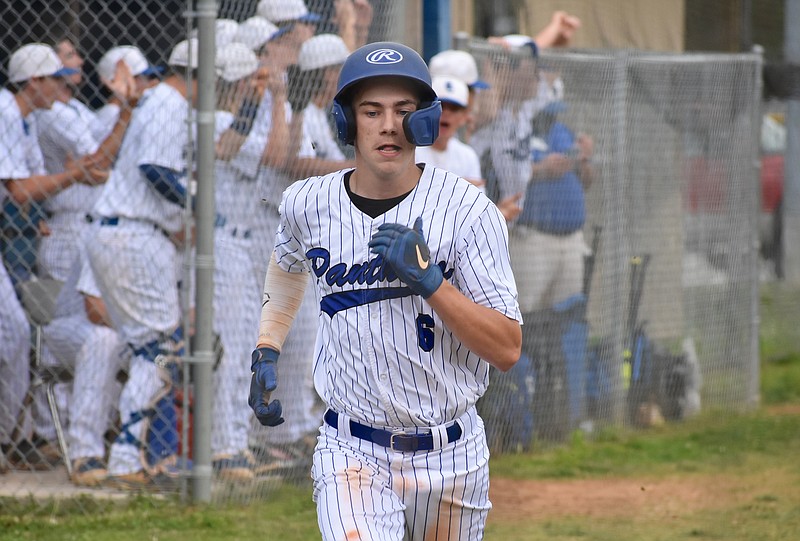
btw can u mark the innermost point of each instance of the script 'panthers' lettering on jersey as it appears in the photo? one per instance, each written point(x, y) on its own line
point(383, 355)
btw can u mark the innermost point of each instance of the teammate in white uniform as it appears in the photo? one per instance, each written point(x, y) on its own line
point(81, 339)
point(134, 260)
point(236, 274)
point(318, 65)
point(447, 152)
point(71, 129)
point(261, 152)
point(36, 71)
point(417, 297)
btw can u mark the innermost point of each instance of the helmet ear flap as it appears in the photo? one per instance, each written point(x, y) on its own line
point(421, 127)
point(345, 122)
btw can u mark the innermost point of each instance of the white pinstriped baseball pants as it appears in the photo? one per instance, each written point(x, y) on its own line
point(367, 492)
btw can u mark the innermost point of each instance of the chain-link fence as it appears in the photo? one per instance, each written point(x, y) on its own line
point(641, 292)
point(639, 286)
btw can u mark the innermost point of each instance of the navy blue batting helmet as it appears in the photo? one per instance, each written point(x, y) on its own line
point(382, 59)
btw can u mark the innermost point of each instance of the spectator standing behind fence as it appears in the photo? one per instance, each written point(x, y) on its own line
point(133, 255)
point(548, 251)
point(550, 226)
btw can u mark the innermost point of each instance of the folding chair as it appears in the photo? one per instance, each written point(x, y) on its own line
point(38, 297)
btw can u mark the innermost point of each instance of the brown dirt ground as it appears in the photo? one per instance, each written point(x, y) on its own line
point(612, 498)
point(513, 498)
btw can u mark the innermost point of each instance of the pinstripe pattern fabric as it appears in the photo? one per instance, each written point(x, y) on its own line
point(384, 357)
point(367, 492)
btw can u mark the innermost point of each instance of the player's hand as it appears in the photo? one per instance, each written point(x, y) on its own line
point(407, 253)
point(123, 85)
point(264, 381)
point(509, 207)
point(557, 164)
point(86, 170)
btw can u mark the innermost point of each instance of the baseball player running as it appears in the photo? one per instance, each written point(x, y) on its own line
point(416, 298)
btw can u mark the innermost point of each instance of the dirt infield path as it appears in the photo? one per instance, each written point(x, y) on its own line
point(512, 498)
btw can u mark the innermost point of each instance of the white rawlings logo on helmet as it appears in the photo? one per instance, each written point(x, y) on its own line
point(384, 56)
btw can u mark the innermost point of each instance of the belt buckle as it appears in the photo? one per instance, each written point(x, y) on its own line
point(393, 443)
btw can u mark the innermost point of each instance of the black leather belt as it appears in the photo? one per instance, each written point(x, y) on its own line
point(386, 438)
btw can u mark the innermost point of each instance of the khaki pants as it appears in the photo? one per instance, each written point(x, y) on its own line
point(547, 268)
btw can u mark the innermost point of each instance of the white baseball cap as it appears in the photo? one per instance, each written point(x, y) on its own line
point(36, 60)
point(519, 41)
point(224, 32)
point(236, 61)
point(180, 54)
point(451, 90)
point(458, 64)
point(256, 31)
point(132, 56)
point(322, 51)
point(278, 11)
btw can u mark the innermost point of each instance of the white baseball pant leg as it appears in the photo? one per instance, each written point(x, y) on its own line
point(15, 343)
point(367, 492)
point(135, 268)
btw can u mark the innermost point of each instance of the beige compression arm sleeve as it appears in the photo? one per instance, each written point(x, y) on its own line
point(283, 293)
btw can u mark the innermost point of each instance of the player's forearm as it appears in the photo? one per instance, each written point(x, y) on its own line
point(40, 187)
point(283, 294)
point(486, 332)
point(277, 150)
point(104, 157)
point(229, 144)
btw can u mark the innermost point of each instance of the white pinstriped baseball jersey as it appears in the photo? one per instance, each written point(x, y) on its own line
point(20, 155)
point(19, 158)
point(383, 355)
point(66, 129)
point(148, 140)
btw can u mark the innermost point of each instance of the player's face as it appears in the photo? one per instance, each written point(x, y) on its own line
point(71, 58)
point(45, 91)
point(379, 107)
point(143, 82)
point(453, 117)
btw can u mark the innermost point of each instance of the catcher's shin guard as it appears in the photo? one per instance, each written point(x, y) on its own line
point(162, 436)
point(157, 434)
